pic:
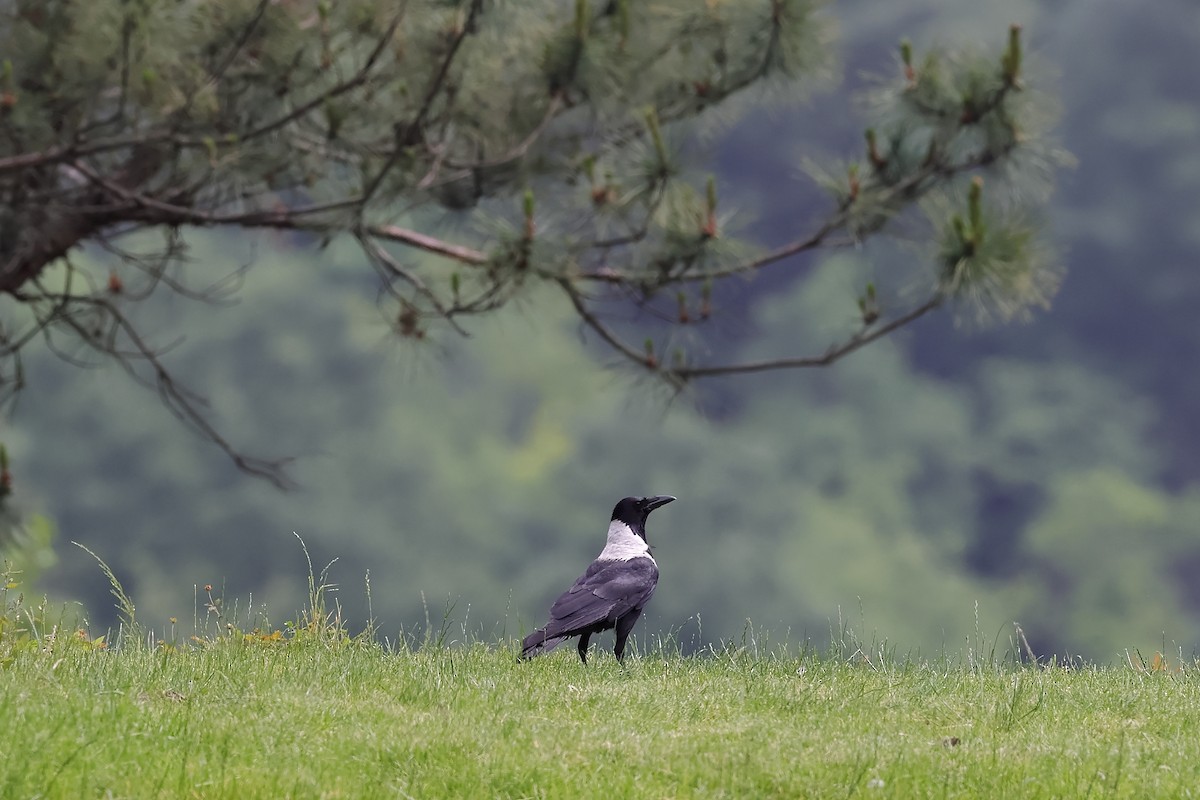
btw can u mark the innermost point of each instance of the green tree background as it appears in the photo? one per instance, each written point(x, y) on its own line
point(956, 478)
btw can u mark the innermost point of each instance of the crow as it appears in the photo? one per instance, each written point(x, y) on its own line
point(614, 589)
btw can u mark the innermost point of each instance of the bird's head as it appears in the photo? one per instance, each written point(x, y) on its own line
point(634, 510)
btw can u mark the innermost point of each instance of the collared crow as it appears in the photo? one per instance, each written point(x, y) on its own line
point(614, 589)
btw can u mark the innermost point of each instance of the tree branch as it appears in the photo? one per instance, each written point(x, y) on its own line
point(181, 402)
point(390, 268)
point(834, 353)
point(254, 141)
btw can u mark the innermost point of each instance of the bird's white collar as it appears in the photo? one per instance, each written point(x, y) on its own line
point(623, 544)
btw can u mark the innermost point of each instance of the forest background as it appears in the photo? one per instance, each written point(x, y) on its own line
point(951, 480)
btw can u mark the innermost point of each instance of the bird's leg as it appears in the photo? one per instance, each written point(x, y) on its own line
point(624, 626)
point(584, 638)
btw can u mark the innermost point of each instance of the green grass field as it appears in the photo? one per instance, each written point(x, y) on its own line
point(307, 711)
point(248, 718)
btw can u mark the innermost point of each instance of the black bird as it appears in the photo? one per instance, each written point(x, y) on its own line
point(614, 589)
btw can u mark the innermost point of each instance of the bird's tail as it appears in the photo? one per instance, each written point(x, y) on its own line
point(538, 642)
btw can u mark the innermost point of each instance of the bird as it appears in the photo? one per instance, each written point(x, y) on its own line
point(613, 590)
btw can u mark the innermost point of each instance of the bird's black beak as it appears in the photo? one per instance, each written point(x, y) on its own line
point(651, 503)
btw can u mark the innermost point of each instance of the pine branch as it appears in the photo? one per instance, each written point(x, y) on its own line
point(835, 352)
point(256, 141)
point(184, 404)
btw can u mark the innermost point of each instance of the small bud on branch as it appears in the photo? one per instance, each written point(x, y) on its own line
point(906, 53)
point(877, 160)
point(868, 306)
point(1011, 62)
point(527, 205)
point(710, 219)
point(8, 94)
point(660, 146)
point(975, 210)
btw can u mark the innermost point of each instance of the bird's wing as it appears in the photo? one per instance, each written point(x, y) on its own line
point(606, 591)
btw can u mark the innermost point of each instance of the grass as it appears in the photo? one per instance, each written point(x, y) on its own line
point(309, 711)
point(242, 720)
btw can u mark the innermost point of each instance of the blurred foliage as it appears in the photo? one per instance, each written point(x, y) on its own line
point(479, 474)
point(526, 144)
point(941, 486)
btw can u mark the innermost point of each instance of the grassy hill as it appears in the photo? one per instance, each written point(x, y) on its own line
point(299, 715)
point(308, 711)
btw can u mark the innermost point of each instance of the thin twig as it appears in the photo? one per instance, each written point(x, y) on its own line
point(184, 404)
point(834, 353)
point(602, 330)
point(389, 266)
